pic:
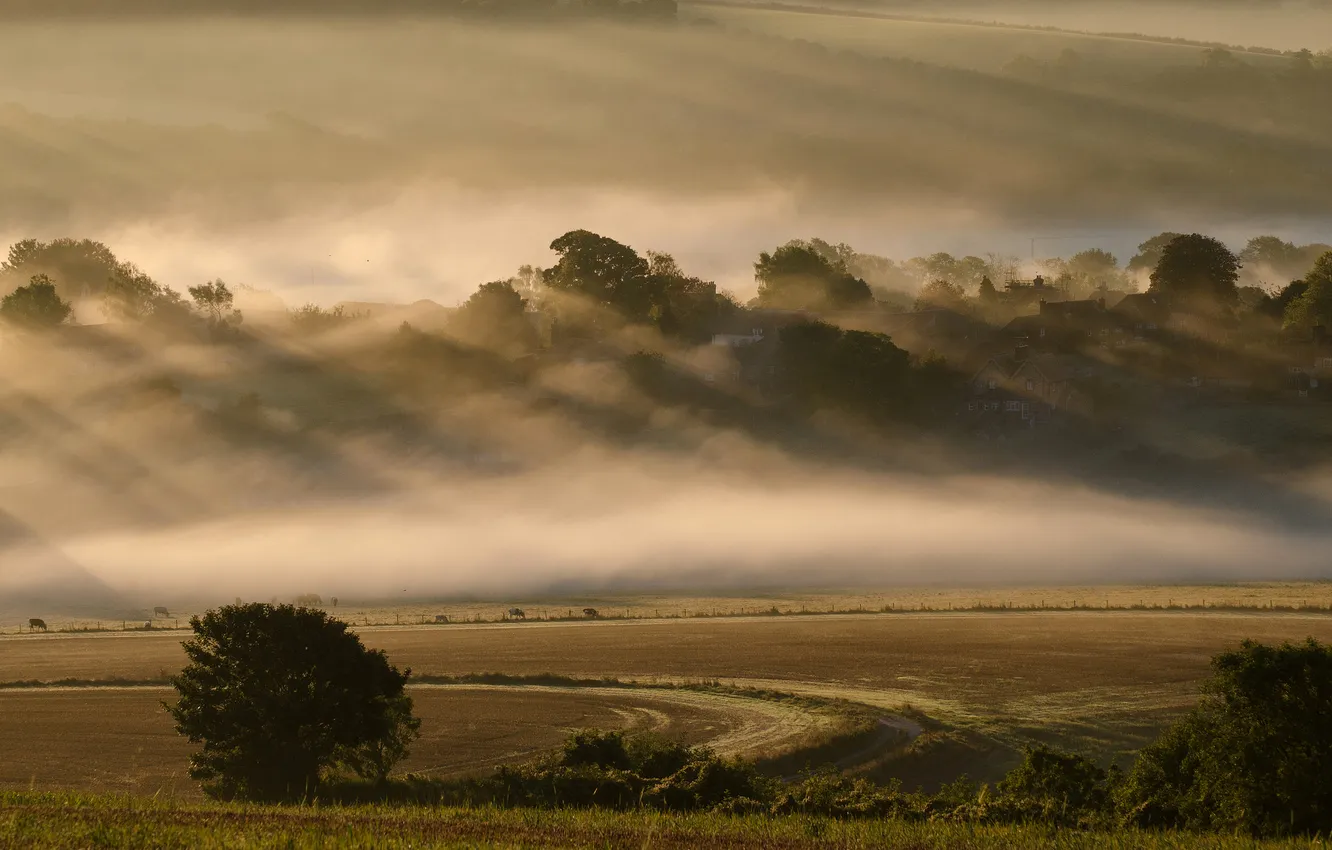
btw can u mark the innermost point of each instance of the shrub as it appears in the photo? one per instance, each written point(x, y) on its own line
point(1254, 756)
point(1053, 787)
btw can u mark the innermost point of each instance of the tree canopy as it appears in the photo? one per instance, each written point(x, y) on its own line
point(35, 306)
point(1313, 306)
point(796, 276)
point(75, 266)
point(1149, 252)
point(855, 371)
point(603, 270)
point(214, 301)
point(495, 317)
point(280, 696)
point(1196, 271)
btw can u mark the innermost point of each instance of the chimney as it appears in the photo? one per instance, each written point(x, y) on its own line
point(1020, 352)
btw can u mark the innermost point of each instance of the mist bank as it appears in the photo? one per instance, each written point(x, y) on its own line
point(639, 527)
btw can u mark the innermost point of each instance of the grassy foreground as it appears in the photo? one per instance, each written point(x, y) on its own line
point(80, 821)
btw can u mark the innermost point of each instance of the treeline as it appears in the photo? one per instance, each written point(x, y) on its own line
point(500, 9)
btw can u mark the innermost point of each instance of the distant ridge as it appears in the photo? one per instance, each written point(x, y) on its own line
point(616, 9)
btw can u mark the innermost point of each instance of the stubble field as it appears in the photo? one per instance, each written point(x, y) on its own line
point(120, 740)
point(1103, 683)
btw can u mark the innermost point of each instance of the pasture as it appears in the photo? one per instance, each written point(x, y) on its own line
point(962, 44)
point(1100, 682)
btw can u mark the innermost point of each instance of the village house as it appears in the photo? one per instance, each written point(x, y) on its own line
point(1025, 389)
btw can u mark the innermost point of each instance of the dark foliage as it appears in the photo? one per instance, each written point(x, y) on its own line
point(855, 371)
point(35, 306)
point(1254, 756)
point(1196, 272)
point(798, 277)
point(279, 696)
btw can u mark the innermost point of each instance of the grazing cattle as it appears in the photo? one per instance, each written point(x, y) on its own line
point(159, 611)
point(590, 613)
point(441, 618)
point(518, 613)
point(36, 624)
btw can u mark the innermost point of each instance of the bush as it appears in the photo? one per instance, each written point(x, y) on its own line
point(1055, 788)
point(1254, 756)
point(281, 696)
point(611, 770)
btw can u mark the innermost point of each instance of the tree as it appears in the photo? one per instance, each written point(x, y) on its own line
point(941, 294)
point(1254, 756)
point(987, 293)
point(132, 296)
point(1197, 272)
point(687, 307)
point(495, 317)
point(1149, 252)
point(1314, 304)
point(856, 371)
point(35, 306)
point(214, 301)
point(798, 277)
point(604, 271)
point(281, 696)
point(76, 267)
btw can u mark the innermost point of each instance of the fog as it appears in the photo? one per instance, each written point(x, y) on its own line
point(1285, 26)
point(629, 528)
point(378, 158)
point(345, 486)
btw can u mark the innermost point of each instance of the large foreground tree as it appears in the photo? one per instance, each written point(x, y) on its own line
point(280, 696)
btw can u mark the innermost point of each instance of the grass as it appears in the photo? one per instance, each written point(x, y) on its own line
point(30, 820)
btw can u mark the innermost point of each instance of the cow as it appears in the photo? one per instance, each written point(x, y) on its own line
point(518, 613)
point(590, 613)
point(36, 624)
point(334, 600)
point(159, 611)
point(441, 618)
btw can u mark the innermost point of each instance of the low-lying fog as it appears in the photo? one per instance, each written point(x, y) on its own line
point(382, 159)
point(1284, 26)
point(628, 526)
point(343, 487)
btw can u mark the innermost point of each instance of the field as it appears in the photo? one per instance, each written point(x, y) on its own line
point(70, 821)
point(987, 683)
point(118, 739)
point(1246, 596)
point(979, 47)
